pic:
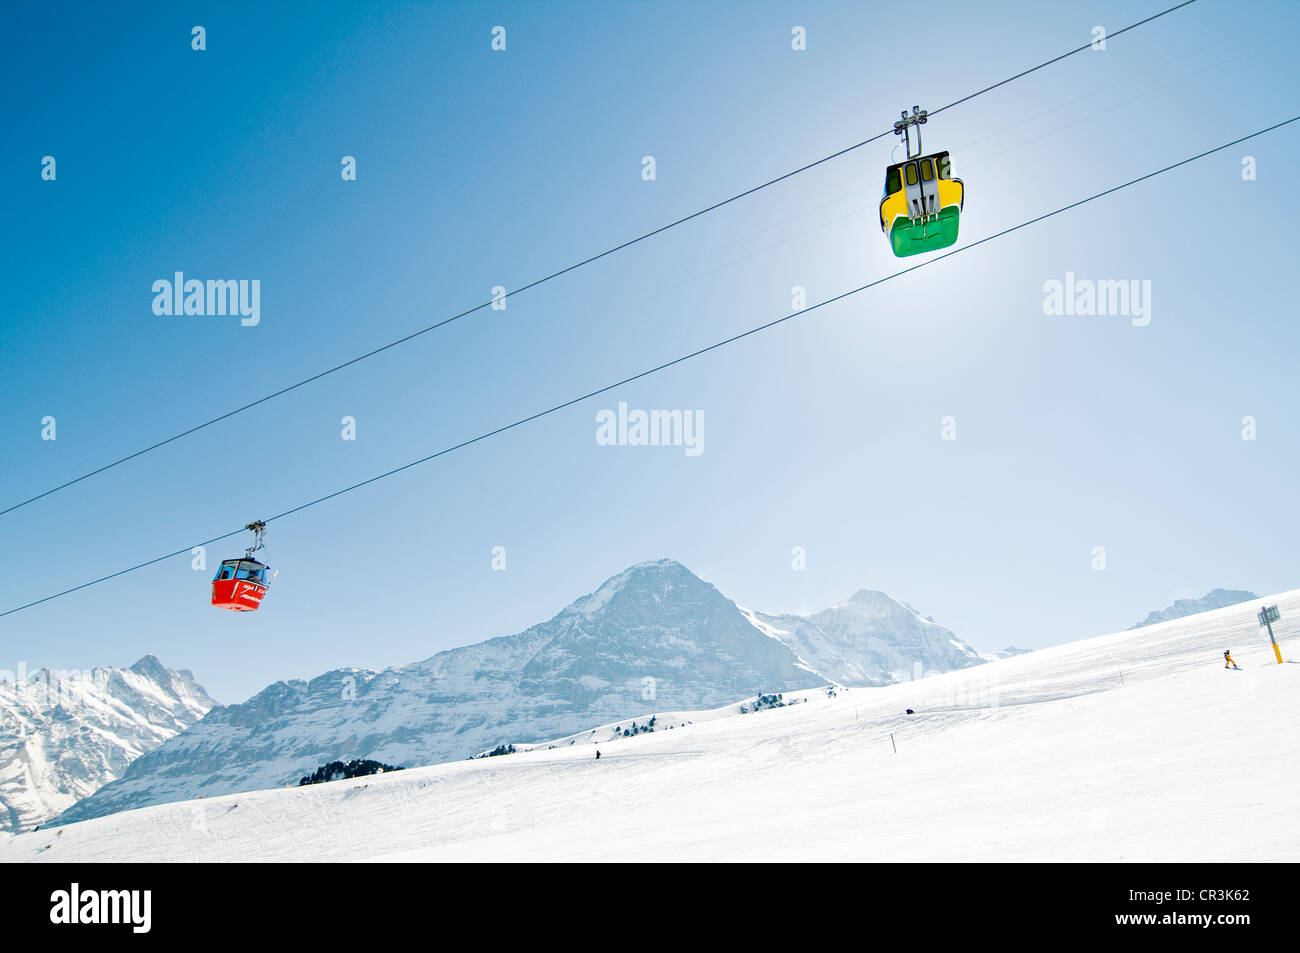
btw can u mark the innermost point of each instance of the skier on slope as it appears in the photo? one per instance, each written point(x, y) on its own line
point(1227, 660)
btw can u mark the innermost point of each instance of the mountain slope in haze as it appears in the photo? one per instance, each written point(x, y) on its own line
point(652, 637)
point(1009, 652)
point(63, 735)
point(1181, 608)
point(870, 639)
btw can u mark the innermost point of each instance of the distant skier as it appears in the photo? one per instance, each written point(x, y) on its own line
point(1227, 660)
point(597, 754)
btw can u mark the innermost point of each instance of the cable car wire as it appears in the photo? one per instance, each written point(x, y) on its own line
point(673, 363)
point(574, 267)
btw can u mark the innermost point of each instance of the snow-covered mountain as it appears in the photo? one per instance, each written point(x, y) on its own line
point(653, 637)
point(65, 734)
point(1053, 756)
point(1009, 652)
point(1214, 599)
point(871, 639)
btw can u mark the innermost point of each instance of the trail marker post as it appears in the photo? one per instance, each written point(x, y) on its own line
point(1267, 616)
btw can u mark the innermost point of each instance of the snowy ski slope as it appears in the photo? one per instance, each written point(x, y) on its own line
point(1046, 756)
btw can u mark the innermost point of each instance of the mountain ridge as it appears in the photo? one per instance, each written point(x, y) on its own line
point(63, 735)
point(653, 635)
point(1181, 608)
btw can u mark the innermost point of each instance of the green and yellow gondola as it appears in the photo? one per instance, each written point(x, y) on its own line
point(922, 203)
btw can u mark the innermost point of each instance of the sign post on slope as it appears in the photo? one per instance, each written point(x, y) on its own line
point(1267, 616)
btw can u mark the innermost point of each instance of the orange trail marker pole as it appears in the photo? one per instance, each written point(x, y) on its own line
point(1267, 616)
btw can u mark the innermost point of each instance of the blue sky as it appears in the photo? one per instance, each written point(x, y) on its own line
point(478, 168)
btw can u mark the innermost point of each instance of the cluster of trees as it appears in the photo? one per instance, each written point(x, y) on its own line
point(338, 771)
point(637, 729)
point(619, 732)
point(764, 701)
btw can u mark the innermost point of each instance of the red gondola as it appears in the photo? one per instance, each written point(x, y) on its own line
point(240, 584)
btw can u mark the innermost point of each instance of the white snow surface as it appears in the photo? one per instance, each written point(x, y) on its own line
point(1136, 746)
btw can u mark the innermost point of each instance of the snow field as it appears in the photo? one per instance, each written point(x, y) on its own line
point(1045, 756)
